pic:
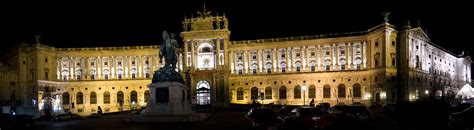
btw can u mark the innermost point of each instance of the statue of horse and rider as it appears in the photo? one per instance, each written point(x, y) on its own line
point(168, 50)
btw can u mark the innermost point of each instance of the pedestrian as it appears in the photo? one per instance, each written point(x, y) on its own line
point(311, 103)
point(99, 111)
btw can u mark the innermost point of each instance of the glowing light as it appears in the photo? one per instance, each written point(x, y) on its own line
point(427, 92)
point(383, 95)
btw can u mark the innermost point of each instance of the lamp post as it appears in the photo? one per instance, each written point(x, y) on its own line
point(304, 94)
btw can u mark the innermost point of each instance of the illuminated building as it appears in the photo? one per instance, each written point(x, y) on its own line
point(380, 64)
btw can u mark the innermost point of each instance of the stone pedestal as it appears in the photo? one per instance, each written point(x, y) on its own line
point(168, 98)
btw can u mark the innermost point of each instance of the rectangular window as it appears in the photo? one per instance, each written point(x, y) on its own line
point(147, 75)
point(92, 77)
point(46, 60)
point(146, 62)
point(254, 57)
point(269, 70)
point(343, 52)
point(298, 69)
point(254, 71)
point(312, 53)
point(78, 64)
point(240, 58)
point(133, 76)
point(343, 67)
point(106, 77)
point(92, 63)
point(78, 77)
point(46, 76)
point(240, 71)
point(283, 70)
point(327, 53)
point(268, 56)
point(297, 54)
point(376, 43)
point(313, 68)
point(119, 76)
point(119, 63)
point(133, 62)
point(327, 67)
point(282, 55)
point(106, 63)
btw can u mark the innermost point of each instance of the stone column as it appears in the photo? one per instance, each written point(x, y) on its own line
point(192, 55)
point(231, 55)
point(99, 67)
point(245, 61)
point(186, 45)
point(304, 58)
point(112, 67)
point(319, 56)
point(349, 55)
point(218, 53)
point(126, 64)
point(274, 59)
point(139, 66)
point(333, 50)
point(259, 60)
point(58, 68)
point(364, 53)
point(289, 59)
point(72, 68)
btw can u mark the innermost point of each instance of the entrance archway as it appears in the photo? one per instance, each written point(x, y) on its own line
point(203, 93)
point(377, 97)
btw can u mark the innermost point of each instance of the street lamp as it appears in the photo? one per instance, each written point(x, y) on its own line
point(304, 94)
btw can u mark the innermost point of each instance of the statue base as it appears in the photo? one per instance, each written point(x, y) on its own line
point(168, 103)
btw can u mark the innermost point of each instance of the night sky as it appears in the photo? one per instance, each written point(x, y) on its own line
point(95, 24)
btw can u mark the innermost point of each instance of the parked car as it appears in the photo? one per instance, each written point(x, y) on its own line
point(66, 117)
point(16, 121)
point(324, 106)
point(463, 119)
point(306, 118)
point(264, 118)
point(343, 116)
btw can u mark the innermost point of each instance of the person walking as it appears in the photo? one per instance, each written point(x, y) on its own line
point(311, 104)
point(99, 111)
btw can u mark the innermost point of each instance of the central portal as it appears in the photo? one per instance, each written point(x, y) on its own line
point(203, 93)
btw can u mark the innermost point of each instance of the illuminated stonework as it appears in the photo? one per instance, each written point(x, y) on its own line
point(380, 65)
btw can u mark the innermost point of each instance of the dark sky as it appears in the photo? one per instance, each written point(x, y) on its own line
point(141, 23)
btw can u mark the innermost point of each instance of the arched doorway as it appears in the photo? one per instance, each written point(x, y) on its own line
point(203, 93)
point(377, 97)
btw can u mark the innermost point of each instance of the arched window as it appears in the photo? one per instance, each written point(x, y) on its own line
point(268, 93)
point(282, 92)
point(297, 92)
point(341, 91)
point(93, 98)
point(312, 91)
point(65, 98)
point(357, 90)
point(120, 97)
point(254, 93)
point(106, 97)
point(326, 91)
point(79, 98)
point(147, 95)
point(240, 93)
point(133, 96)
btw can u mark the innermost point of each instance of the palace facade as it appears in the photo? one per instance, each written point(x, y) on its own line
point(378, 65)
